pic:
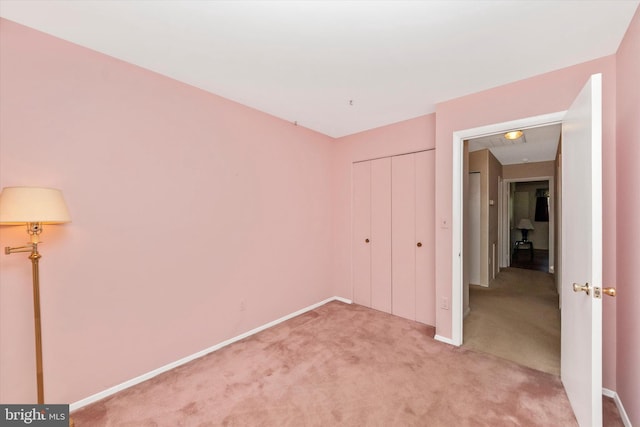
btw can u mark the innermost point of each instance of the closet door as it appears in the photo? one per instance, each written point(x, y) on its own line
point(381, 234)
point(403, 226)
point(393, 235)
point(425, 236)
point(361, 245)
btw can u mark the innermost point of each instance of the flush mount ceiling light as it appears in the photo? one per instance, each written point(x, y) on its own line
point(514, 134)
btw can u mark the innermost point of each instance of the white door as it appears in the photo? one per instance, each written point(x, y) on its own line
point(581, 346)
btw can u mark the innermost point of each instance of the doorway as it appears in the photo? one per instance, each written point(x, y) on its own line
point(460, 289)
point(581, 244)
point(512, 311)
point(530, 224)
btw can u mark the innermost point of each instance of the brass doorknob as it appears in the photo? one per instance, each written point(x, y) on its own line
point(366, 240)
point(610, 291)
point(419, 244)
point(581, 288)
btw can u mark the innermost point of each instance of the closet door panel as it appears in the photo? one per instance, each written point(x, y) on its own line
point(381, 234)
point(425, 234)
point(361, 229)
point(404, 239)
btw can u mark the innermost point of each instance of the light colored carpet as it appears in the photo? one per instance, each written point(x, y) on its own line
point(343, 365)
point(516, 318)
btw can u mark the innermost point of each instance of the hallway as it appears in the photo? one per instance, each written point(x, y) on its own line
point(539, 261)
point(516, 318)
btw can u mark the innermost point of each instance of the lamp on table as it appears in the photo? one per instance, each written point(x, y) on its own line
point(525, 225)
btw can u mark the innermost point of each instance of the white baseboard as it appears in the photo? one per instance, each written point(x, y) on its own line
point(623, 414)
point(444, 340)
point(344, 300)
point(137, 380)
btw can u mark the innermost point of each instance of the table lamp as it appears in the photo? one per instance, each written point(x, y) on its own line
point(525, 225)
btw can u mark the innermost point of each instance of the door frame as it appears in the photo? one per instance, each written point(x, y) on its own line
point(505, 256)
point(457, 264)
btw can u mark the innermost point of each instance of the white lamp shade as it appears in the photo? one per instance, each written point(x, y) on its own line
point(21, 205)
point(525, 224)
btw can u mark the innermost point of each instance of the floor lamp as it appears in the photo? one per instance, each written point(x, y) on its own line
point(33, 207)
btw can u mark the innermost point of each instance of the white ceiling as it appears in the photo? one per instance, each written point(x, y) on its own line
point(538, 144)
point(305, 61)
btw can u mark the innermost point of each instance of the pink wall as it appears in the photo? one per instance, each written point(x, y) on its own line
point(543, 94)
point(628, 198)
point(184, 205)
point(403, 137)
point(134, 151)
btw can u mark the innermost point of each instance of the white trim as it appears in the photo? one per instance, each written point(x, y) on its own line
point(445, 340)
point(623, 414)
point(457, 274)
point(344, 300)
point(596, 243)
point(501, 220)
point(505, 250)
point(137, 380)
point(457, 205)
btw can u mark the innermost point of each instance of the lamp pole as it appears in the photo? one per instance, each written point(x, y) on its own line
point(34, 256)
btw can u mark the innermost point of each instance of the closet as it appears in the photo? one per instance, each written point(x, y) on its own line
point(393, 235)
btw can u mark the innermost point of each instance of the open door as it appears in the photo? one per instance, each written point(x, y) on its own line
point(581, 342)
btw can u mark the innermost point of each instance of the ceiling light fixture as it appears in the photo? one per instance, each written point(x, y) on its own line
point(514, 134)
